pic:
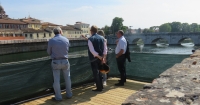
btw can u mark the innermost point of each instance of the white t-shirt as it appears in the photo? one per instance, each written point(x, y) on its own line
point(121, 44)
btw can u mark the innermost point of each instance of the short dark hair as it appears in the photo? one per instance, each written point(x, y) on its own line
point(94, 29)
point(121, 32)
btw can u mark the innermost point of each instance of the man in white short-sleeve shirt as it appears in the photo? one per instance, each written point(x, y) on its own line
point(120, 57)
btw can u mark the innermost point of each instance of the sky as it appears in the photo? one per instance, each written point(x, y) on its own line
point(136, 13)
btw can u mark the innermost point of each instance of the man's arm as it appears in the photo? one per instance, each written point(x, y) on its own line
point(84, 37)
point(120, 53)
point(91, 48)
point(105, 51)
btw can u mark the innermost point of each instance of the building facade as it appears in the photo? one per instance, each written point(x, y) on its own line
point(71, 32)
point(37, 34)
point(48, 24)
point(84, 27)
point(10, 29)
point(32, 23)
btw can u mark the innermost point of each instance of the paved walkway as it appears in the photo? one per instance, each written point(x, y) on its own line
point(83, 95)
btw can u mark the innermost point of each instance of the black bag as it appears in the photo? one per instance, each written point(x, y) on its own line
point(104, 68)
point(127, 53)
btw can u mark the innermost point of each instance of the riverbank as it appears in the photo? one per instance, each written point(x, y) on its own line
point(178, 85)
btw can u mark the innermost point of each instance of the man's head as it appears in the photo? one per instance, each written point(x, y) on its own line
point(93, 29)
point(101, 32)
point(120, 33)
point(57, 30)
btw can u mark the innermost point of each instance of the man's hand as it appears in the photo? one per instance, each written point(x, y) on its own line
point(120, 53)
point(101, 58)
point(116, 56)
point(104, 60)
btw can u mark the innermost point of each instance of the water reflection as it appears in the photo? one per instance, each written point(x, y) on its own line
point(187, 44)
point(162, 44)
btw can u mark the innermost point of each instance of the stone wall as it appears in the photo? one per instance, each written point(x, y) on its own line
point(17, 46)
point(179, 85)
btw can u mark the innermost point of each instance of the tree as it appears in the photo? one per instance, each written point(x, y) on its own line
point(139, 30)
point(194, 27)
point(146, 30)
point(106, 30)
point(176, 26)
point(185, 27)
point(165, 28)
point(117, 24)
point(124, 28)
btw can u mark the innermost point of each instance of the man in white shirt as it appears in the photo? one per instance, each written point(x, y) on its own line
point(120, 57)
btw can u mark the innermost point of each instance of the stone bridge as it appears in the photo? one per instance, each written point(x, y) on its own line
point(152, 38)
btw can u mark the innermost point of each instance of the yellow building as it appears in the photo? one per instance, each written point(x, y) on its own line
point(84, 27)
point(71, 32)
point(32, 23)
point(37, 34)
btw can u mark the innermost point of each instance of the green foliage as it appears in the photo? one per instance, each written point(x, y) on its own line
point(146, 30)
point(185, 27)
point(139, 30)
point(165, 28)
point(124, 28)
point(117, 24)
point(106, 30)
point(176, 26)
point(194, 27)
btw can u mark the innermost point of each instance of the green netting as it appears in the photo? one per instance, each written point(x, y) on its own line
point(24, 74)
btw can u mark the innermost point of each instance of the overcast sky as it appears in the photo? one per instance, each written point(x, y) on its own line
point(136, 13)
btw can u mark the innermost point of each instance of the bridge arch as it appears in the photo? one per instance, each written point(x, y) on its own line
point(182, 39)
point(157, 39)
point(136, 40)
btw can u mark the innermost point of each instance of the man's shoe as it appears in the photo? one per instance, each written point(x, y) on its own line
point(54, 99)
point(104, 83)
point(69, 97)
point(120, 81)
point(97, 90)
point(119, 84)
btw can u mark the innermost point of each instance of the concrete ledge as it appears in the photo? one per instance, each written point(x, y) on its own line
point(33, 40)
point(179, 85)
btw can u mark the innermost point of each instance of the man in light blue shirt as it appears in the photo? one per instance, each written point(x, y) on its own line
point(58, 48)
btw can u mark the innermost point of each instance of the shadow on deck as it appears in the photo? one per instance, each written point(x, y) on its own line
point(111, 95)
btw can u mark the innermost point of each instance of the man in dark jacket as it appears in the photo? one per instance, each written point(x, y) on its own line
point(96, 52)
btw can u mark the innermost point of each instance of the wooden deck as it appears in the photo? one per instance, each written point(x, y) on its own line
point(111, 95)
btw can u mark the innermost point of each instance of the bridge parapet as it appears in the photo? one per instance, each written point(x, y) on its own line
point(151, 38)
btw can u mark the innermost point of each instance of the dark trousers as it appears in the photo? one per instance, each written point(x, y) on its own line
point(97, 75)
point(121, 63)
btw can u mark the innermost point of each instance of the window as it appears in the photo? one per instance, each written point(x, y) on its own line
point(49, 34)
point(7, 26)
point(25, 35)
point(37, 35)
point(31, 35)
point(1, 26)
point(44, 35)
